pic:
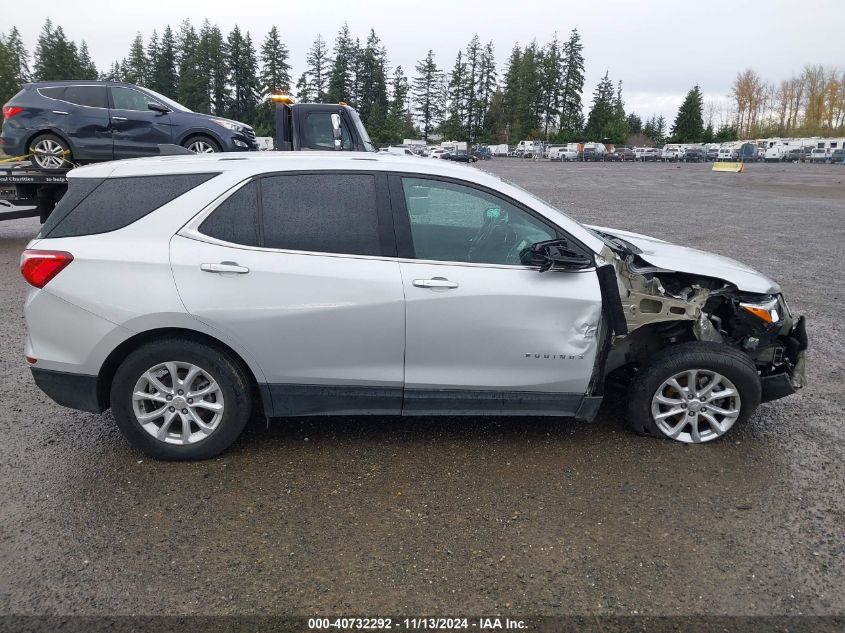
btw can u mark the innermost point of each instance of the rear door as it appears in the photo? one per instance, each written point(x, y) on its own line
point(136, 130)
point(82, 114)
point(300, 268)
point(485, 331)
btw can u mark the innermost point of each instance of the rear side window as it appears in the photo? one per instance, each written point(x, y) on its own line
point(91, 96)
point(325, 213)
point(116, 203)
point(52, 93)
point(235, 220)
point(78, 189)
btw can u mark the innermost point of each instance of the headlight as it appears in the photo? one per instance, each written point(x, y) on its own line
point(766, 311)
point(228, 125)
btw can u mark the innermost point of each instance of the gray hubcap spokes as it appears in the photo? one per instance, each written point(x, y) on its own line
point(48, 154)
point(178, 403)
point(201, 147)
point(696, 405)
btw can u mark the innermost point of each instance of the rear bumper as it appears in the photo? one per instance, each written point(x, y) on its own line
point(76, 391)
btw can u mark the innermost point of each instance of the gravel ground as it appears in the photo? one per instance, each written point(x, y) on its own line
point(443, 516)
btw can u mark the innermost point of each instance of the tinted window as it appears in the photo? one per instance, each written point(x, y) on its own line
point(92, 96)
point(78, 189)
point(128, 99)
point(117, 202)
point(325, 213)
point(319, 134)
point(53, 93)
point(451, 222)
point(235, 220)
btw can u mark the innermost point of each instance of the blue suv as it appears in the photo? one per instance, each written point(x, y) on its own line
point(86, 121)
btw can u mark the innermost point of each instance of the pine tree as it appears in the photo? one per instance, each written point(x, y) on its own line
point(551, 72)
point(18, 56)
point(136, 70)
point(9, 84)
point(56, 57)
point(470, 89)
point(602, 112)
point(275, 68)
point(163, 75)
point(689, 123)
point(243, 77)
point(511, 91)
point(191, 88)
point(340, 84)
point(372, 98)
point(87, 66)
point(486, 89)
point(572, 86)
point(635, 124)
point(213, 59)
point(398, 123)
point(318, 68)
point(454, 128)
point(152, 57)
point(426, 87)
point(304, 89)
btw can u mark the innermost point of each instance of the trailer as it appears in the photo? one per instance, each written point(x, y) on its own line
point(27, 191)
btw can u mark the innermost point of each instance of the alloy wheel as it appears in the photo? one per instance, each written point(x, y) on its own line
point(48, 154)
point(201, 147)
point(695, 405)
point(178, 403)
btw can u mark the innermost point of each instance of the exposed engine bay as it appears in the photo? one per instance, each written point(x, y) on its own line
point(663, 307)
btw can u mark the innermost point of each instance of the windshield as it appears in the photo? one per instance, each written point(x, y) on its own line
point(170, 103)
point(365, 138)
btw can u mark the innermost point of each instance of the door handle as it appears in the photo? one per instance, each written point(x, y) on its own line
point(224, 267)
point(435, 282)
point(118, 118)
point(59, 112)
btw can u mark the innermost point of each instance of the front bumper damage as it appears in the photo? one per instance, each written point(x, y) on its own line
point(792, 377)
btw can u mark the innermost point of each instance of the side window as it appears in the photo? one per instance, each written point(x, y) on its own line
point(235, 219)
point(318, 132)
point(456, 223)
point(128, 99)
point(91, 96)
point(324, 213)
point(115, 202)
point(52, 93)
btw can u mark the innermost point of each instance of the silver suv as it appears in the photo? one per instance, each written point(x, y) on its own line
point(187, 292)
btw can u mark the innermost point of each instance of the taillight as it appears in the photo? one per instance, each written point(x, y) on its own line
point(10, 111)
point(39, 267)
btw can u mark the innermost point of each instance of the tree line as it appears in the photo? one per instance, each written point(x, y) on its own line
point(539, 94)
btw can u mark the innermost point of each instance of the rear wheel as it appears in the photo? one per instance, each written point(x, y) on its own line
point(178, 399)
point(202, 145)
point(693, 392)
point(50, 152)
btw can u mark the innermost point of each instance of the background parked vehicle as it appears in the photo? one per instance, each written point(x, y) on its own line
point(837, 156)
point(694, 155)
point(748, 153)
point(713, 153)
point(593, 152)
point(500, 150)
point(819, 155)
point(671, 153)
point(459, 157)
point(620, 154)
point(727, 154)
point(649, 154)
point(85, 121)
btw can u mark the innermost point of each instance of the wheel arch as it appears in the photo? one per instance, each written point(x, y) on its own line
point(187, 135)
point(107, 370)
point(41, 132)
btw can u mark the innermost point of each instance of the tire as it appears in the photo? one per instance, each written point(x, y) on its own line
point(691, 422)
point(223, 426)
point(50, 152)
point(202, 145)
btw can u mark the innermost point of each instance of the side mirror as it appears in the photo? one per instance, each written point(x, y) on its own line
point(337, 131)
point(157, 107)
point(557, 255)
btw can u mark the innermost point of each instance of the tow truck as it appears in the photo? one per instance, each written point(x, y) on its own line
point(28, 191)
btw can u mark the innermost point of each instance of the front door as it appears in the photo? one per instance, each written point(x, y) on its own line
point(136, 130)
point(298, 269)
point(485, 331)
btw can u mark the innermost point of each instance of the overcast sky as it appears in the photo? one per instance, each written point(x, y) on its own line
point(658, 48)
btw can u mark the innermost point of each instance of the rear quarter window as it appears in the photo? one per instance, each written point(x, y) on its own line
point(114, 203)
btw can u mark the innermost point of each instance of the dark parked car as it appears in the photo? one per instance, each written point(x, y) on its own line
point(459, 157)
point(695, 155)
point(837, 156)
point(85, 121)
point(620, 154)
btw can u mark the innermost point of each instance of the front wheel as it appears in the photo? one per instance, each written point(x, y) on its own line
point(202, 145)
point(693, 392)
point(178, 399)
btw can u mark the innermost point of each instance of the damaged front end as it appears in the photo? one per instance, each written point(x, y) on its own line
point(662, 307)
